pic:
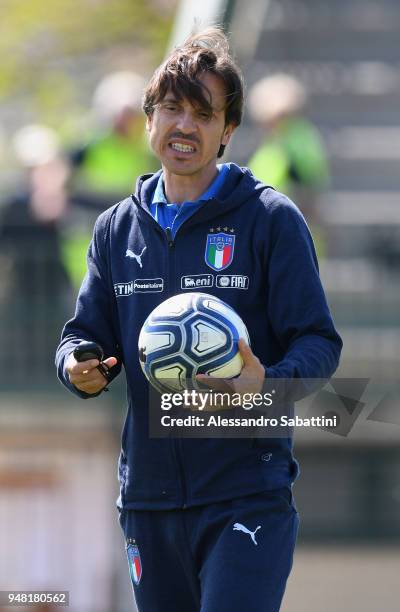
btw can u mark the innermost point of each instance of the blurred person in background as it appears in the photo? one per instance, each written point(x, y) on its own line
point(34, 282)
point(106, 167)
point(291, 157)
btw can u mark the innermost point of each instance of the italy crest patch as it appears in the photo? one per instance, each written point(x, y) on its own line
point(219, 250)
point(135, 563)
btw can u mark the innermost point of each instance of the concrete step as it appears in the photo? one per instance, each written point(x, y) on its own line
point(323, 44)
point(362, 209)
point(367, 143)
point(336, 78)
point(355, 15)
point(370, 175)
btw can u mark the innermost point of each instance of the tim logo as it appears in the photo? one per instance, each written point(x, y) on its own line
point(232, 281)
point(197, 280)
point(123, 289)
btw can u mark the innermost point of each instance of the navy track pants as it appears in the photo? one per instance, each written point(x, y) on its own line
point(231, 556)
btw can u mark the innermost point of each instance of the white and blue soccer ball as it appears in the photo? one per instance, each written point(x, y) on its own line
point(190, 334)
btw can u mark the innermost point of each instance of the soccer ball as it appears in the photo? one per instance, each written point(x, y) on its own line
point(189, 334)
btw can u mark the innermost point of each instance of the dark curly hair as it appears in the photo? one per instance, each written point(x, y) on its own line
point(205, 52)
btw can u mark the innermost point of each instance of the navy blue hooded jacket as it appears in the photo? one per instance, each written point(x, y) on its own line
point(283, 307)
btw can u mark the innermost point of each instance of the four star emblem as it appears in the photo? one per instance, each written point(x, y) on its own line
point(219, 229)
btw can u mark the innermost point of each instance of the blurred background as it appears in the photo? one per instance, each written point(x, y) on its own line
point(322, 124)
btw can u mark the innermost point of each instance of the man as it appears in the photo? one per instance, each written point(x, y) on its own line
point(210, 524)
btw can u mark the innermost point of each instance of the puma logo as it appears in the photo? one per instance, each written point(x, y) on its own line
point(240, 527)
point(133, 255)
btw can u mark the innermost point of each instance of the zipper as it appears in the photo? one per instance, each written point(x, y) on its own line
point(170, 240)
point(167, 233)
point(175, 443)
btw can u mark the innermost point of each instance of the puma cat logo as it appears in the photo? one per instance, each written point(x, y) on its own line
point(240, 527)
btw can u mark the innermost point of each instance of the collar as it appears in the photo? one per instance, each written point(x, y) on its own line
point(159, 196)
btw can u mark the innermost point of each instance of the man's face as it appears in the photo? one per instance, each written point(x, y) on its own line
point(186, 138)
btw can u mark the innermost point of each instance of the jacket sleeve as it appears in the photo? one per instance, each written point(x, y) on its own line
point(297, 305)
point(95, 315)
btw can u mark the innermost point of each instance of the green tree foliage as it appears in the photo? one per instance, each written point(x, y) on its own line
point(37, 36)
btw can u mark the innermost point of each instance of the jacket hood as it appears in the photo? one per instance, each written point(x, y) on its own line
point(239, 187)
